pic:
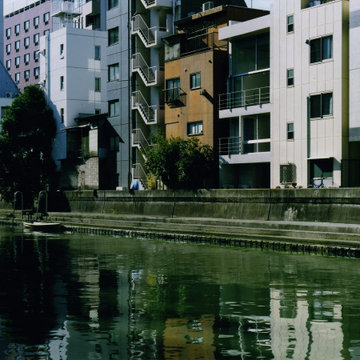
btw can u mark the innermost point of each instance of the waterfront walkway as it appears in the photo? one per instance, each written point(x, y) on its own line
point(316, 237)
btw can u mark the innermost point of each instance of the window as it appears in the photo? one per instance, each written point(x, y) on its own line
point(290, 23)
point(256, 133)
point(17, 77)
point(112, 3)
point(97, 84)
point(8, 33)
point(17, 45)
point(113, 72)
point(172, 90)
point(27, 58)
point(62, 115)
point(195, 128)
point(321, 49)
point(61, 82)
point(8, 64)
point(36, 72)
point(113, 36)
point(27, 42)
point(114, 142)
point(17, 29)
point(36, 38)
point(17, 61)
point(36, 55)
point(290, 77)
point(290, 131)
point(195, 81)
point(36, 22)
point(27, 25)
point(46, 32)
point(114, 108)
point(8, 49)
point(46, 18)
point(97, 52)
point(321, 105)
point(61, 51)
point(27, 75)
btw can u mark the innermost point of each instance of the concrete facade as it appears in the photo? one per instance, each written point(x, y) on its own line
point(306, 106)
point(24, 23)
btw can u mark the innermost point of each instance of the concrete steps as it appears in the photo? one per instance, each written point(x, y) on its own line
point(321, 234)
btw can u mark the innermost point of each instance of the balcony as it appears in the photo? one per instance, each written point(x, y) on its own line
point(175, 97)
point(63, 8)
point(200, 42)
point(244, 98)
point(238, 146)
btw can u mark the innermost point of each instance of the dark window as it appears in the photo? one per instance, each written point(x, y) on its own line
point(290, 23)
point(321, 49)
point(113, 36)
point(97, 84)
point(321, 105)
point(195, 128)
point(172, 90)
point(97, 52)
point(114, 108)
point(290, 77)
point(113, 72)
point(112, 3)
point(290, 131)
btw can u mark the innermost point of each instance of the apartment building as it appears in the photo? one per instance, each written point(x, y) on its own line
point(287, 103)
point(73, 75)
point(193, 81)
point(24, 23)
point(1, 33)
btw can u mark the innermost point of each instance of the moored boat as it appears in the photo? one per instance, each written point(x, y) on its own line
point(43, 226)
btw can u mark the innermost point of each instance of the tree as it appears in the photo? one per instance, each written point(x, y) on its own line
point(181, 164)
point(26, 138)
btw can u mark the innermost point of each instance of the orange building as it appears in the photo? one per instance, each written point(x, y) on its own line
point(196, 72)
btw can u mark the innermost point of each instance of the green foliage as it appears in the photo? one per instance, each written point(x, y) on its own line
point(181, 164)
point(26, 138)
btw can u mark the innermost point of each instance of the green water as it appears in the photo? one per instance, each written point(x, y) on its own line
point(91, 297)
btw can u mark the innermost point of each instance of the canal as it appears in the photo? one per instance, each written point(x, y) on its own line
point(77, 297)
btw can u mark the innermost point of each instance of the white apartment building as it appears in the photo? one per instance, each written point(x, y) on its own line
point(287, 104)
point(73, 74)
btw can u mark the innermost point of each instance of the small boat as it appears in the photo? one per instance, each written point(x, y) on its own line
point(43, 226)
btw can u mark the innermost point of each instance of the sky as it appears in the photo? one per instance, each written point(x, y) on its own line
point(259, 4)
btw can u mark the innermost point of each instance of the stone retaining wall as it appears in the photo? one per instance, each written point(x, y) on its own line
point(321, 205)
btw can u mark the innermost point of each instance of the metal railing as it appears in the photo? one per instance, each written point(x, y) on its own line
point(139, 139)
point(147, 112)
point(146, 34)
point(244, 98)
point(140, 173)
point(238, 146)
point(147, 73)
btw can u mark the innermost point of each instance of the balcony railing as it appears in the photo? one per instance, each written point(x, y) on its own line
point(147, 112)
point(238, 146)
point(146, 34)
point(244, 98)
point(175, 97)
point(147, 73)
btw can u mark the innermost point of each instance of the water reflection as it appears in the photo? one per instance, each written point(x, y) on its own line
point(86, 297)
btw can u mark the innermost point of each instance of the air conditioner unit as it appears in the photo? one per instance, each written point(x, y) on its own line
point(207, 6)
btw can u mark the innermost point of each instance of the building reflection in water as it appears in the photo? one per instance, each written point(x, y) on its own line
point(93, 301)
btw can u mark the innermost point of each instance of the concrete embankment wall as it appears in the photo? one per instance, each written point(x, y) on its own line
point(321, 205)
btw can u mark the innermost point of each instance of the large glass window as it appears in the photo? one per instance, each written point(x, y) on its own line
point(113, 72)
point(113, 36)
point(251, 54)
point(321, 49)
point(321, 105)
point(256, 133)
point(114, 108)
